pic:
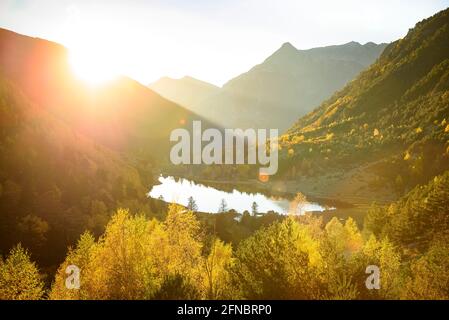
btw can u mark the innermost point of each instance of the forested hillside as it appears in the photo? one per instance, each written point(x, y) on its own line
point(54, 182)
point(391, 122)
point(72, 154)
point(417, 219)
point(122, 114)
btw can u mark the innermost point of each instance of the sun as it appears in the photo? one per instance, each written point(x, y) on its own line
point(95, 69)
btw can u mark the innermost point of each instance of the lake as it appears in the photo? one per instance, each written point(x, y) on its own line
point(208, 199)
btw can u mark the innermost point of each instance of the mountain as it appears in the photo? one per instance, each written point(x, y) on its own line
point(286, 85)
point(384, 132)
point(73, 154)
point(186, 91)
point(55, 182)
point(122, 115)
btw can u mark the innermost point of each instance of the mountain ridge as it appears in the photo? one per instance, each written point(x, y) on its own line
point(288, 81)
point(125, 109)
point(73, 153)
point(186, 91)
point(385, 131)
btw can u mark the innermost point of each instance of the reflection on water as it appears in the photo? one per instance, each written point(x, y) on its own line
point(208, 199)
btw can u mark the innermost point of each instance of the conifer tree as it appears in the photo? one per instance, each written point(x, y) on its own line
point(191, 205)
point(223, 206)
point(254, 208)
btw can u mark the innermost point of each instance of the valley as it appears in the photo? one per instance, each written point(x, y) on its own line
point(138, 186)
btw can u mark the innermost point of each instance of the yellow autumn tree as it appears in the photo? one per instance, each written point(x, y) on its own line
point(137, 258)
point(79, 257)
point(19, 277)
point(217, 280)
point(121, 264)
point(277, 262)
point(384, 255)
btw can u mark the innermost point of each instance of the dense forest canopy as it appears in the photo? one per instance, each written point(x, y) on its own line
point(292, 258)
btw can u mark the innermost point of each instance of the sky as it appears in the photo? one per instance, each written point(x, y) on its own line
point(212, 40)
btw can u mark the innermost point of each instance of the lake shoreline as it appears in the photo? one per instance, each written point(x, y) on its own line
point(269, 189)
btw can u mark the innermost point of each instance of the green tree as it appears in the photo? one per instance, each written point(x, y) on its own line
point(254, 208)
point(33, 230)
point(98, 216)
point(223, 206)
point(176, 287)
point(429, 275)
point(191, 205)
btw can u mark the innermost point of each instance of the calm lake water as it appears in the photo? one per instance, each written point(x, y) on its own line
point(208, 199)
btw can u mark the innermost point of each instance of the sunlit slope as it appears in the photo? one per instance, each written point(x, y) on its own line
point(386, 129)
point(55, 183)
point(71, 152)
point(187, 91)
point(121, 114)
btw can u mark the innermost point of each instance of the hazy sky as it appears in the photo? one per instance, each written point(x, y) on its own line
point(212, 40)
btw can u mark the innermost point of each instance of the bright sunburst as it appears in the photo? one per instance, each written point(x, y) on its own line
point(94, 69)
